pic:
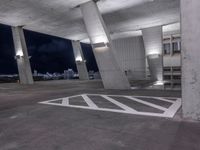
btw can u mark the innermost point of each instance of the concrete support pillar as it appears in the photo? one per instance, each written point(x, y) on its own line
point(111, 74)
point(23, 64)
point(80, 61)
point(190, 20)
point(154, 53)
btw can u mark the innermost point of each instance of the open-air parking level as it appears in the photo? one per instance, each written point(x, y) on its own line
point(99, 75)
point(28, 121)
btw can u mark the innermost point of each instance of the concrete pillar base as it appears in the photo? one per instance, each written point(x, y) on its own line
point(82, 70)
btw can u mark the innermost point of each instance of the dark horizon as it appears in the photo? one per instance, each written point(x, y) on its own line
point(48, 53)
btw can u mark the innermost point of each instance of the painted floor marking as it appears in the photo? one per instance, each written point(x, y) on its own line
point(125, 107)
point(162, 99)
point(173, 108)
point(89, 101)
point(146, 103)
point(65, 101)
point(167, 112)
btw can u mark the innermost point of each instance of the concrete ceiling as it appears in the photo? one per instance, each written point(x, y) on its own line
point(62, 18)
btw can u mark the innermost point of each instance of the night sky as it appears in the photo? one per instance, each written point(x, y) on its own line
point(49, 54)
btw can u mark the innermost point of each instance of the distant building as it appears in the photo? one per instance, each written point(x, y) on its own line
point(68, 74)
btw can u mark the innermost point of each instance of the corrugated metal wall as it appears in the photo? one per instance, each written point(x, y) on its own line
point(131, 56)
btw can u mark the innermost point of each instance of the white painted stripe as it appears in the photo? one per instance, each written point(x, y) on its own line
point(173, 108)
point(89, 101)
point(146, 103)
point(154, 96)
point(52, 100)
point(169, 113)
point(126, 108)
point(65, 101)
point(61, 98)
point(132, 96)
point(163, 99)
point(108, 110)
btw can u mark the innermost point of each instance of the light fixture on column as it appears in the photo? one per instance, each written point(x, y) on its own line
point(153, 50)
point(79, 59)
point(19, 54)
point(153, 55)
point(159, 83)
point(100, 45)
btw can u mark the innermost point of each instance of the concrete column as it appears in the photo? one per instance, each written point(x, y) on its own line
point(111, 74)
point(154, 52)
point(23, 64)
point(80, 61)
point(190, 20)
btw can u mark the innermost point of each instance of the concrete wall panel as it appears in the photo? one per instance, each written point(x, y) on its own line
point(131, 56)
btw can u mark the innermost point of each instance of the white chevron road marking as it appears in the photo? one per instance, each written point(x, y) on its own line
point(167, 112)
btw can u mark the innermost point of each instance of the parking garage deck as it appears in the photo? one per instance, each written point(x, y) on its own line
point(27, 124)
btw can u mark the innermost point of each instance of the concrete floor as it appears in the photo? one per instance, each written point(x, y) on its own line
point(27, 125)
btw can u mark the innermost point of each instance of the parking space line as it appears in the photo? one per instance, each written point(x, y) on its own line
point(168, 112)
point(65, 101)
point(89, 101)
point(163, 99)
point(146, 103)
point(131, 95)
point(171, 111)
point(125, 107)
